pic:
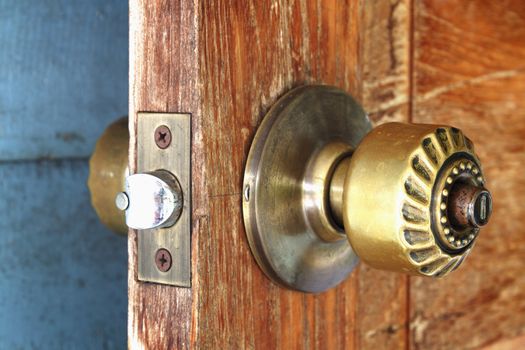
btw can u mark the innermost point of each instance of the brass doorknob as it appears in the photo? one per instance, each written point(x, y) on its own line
point(412, 199)
point(108, 169)
point(322, 189)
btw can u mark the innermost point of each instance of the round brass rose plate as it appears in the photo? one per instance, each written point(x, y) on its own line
point(292, 233)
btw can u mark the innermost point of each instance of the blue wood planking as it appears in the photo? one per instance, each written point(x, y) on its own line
point(64, 277)
point(63, 79)
point(63, 75)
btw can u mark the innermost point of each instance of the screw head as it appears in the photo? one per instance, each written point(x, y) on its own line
point(162, 136)
point(163, 260)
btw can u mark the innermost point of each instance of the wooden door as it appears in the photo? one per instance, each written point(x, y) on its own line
point(227, 62)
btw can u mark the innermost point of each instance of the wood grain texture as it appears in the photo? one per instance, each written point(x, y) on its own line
point(227, 64)
point(163, 78)
point(382, 305)
point(469, 61)
point(507, 344)
point(252, 53)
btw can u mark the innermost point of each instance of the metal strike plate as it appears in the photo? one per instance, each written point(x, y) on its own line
point(176, 158)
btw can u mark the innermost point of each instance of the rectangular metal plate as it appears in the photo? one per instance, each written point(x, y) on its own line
point(176, 158)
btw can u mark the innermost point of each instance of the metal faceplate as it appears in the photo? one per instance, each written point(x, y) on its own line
point(296, 148)
point(175, 158)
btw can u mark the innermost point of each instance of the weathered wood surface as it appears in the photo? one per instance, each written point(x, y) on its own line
point(163, 78)
point(251, 54)
point(227, 64)
point(451, 62)
point(469, 71)
point(507, 344)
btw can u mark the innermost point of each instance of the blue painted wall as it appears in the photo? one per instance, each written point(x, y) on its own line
point(63, 276)
point(63, 75)
point(63, 79)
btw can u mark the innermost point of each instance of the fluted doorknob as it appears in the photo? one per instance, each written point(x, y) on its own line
point(322, 189)
point(427, 199)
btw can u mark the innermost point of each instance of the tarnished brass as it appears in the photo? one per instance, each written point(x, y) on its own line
point(409, 197)
point(287, 217)
point(397, 194)
point(173, 157)
point(108, 168)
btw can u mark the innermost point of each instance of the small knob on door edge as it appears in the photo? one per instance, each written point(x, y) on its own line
point(151, 200)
